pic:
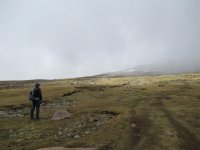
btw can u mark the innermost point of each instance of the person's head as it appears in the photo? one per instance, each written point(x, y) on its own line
point(37, 85)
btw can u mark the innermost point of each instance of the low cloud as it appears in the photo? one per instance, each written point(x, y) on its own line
point(60, 39)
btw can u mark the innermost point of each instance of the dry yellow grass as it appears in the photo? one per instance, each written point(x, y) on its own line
point(164, 109)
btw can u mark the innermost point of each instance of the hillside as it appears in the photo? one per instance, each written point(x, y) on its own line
point(124, 113)
point(154, 70)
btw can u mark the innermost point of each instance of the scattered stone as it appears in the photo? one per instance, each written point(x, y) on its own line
point(171, 133)
point(93, 129)
point(61, 114)
point(79, 126)
point(133, 125)
point(9, 114)
point(87, 132)
point(89, 123)
point(92, 82)
point(63, 102)
point(69, 135)
point(4, 115)
point(98, 123)
point(19, 140)
point(18, 115)
point(65, 131)
point(77, 136)
point(60, 133)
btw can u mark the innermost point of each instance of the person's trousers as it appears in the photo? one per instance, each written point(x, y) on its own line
point(35, 104)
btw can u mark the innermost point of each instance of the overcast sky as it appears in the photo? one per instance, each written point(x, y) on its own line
point(70, 38)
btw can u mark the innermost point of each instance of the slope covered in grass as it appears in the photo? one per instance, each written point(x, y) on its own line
point(132, 113)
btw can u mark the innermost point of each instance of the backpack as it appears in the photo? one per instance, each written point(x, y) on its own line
point(31, 95)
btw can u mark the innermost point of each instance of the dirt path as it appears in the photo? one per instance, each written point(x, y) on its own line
point(141, 123)
point(146, 135)
point(189, 140)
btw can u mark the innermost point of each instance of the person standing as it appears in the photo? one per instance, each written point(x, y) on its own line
point(36, 101)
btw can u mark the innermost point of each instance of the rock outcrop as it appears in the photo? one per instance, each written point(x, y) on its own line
point(61, 114)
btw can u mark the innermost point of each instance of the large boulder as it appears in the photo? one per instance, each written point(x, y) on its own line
point(61, 114)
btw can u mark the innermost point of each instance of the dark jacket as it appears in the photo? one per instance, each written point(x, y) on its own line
point(37, 93)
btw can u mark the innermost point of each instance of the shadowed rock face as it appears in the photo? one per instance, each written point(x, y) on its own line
point(61, 114)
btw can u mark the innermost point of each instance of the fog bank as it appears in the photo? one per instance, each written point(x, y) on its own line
point(48, 39)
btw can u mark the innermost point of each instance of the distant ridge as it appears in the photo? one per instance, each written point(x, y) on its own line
point(154, 70)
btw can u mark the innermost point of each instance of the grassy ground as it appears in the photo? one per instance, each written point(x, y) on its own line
point(152, 113)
